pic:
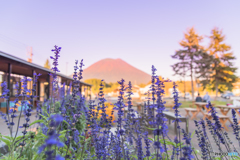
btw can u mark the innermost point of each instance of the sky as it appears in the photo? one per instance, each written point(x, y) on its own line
point(141, 32)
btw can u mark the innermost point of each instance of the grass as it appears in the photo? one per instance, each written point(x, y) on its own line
point(185, 104)
point(189, 104)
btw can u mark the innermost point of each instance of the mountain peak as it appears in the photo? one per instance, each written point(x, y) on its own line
point(113, 70)
point(111, 59)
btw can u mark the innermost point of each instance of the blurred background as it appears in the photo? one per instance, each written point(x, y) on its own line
point(193, 43)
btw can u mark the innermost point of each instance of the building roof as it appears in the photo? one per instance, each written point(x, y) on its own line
point(12, 58)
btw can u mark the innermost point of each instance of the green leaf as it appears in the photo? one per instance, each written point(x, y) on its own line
point(64, 131)
point(8, 143)
point(180, 144)
point(8, 137)
point(25, 138)
point(151, 128)
point(66, 122)
point(134, 156)
point(47, 113)
point(41, 135)
point(92, 151)
point(43, 117)
point(151, 139)
point(192, 134)
point(37, 121)
point(82, 137)
point(169, 143)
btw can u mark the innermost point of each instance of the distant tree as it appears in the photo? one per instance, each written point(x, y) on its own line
point(220, 76)
point(188, 56)
point(203, 69)
point(47, 64)
point(95, 84)
point(142, 85)
point(108, 87)
point(150, 82)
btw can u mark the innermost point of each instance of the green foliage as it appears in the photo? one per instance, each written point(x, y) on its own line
point(34, 140)
point(142, 85)
point(213, 66)
point(188, 56)
point(186, 104)
point(108, 87)
point(219, 75)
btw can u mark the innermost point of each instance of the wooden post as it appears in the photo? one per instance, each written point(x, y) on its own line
point(9, 85)
point(48, 79)
point(38, 90)
point(66, 88)
point(80, 87)
point(33, 93)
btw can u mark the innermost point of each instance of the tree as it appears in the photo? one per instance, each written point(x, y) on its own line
point(108, 87)
point(95, 84)
point(47, 64)
point(220, 73)
point(188, 56)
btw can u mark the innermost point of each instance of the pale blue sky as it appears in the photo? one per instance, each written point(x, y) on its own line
point(141, 32)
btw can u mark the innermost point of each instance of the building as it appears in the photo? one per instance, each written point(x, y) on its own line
point(12, 69)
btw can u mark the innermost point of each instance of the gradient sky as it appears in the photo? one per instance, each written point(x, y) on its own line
point(141, 32)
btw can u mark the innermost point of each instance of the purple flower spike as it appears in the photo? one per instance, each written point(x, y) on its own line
point(56, 51)
point(80, 70)
point(53, 138)
point(5, 90)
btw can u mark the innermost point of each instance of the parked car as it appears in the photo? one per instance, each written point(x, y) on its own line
point(187, 95)
point(227, 95)
point(179, 94)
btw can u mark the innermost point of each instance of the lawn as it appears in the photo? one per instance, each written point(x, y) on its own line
point(187, 104)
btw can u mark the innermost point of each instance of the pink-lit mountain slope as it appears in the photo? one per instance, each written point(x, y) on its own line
point(113, 70)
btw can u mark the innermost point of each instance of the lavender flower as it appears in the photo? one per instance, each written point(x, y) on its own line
point(52, 140)
point(130, 115)
point(56, 51)
point(235, 126)
point(80, 70)
point(176, 106)
point(175, 149)
point(25, 91)
point(101, 104)
point(120, 106)
point(160, 118)
point(212, 131)
point(139, 148)
point(187, 149)
point(203, 139)
point(28, 109)
point(153, 92)
point(217, 126)
point(5, 91)
point(13, 111)
point(76, 137)
point(120, 130)
point(5, 95)
point(147, 143)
